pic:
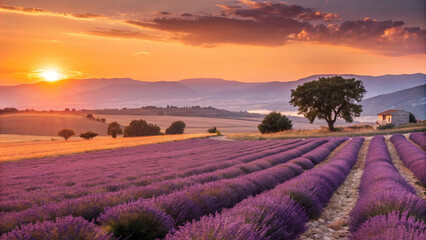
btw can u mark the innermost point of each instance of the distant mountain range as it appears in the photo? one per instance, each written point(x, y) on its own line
point(220, 93)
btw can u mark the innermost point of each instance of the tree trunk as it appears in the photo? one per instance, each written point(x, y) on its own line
point(331, 126)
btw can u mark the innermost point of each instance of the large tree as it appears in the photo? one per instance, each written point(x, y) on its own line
point(329, 99)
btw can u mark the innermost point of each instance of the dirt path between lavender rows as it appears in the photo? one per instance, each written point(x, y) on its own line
point(333, 222)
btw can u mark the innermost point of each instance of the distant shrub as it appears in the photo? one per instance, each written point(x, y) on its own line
point(67, 109)
point(8, 109)
point(412, 118)
point(138, 128)
point(89, 116)
point(386, 126)
point(212, 130)
point(177, 127)
point(114, 129)
point(275, 122)
point(103, 120)
point(66, 133)
point(218, 133)
point(88, 135)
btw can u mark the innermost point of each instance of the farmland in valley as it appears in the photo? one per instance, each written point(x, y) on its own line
point(212, 189)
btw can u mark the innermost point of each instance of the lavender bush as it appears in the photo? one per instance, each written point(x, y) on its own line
point(67, 228)
point(393, 226)
point(412, 156)
point(419, 138)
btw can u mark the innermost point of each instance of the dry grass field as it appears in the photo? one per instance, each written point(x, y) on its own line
point(201, 124)
point(48, 124)
point(37, 149)
point(324, 132)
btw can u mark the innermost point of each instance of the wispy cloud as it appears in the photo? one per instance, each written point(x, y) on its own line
point(43, 12)
point(141, 53)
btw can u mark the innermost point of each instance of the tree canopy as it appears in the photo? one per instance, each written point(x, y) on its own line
point(138, 128)
point(66, 133)
point(88, 135)
point(177, 127)
point(114, 129)
point(275, 122)
point(329, 98)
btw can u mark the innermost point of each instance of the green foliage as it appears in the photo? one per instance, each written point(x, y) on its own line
point(114, 129)
point(386, 126)
point(275, 122)
point(328, 99)
point(212, 130)
point(88, 135)
point(412, 118)
point(66, 133)
point(177, 127)
point(218, 133)
point(138, 128)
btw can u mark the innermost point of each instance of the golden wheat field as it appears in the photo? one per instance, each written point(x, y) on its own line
point(37, 149)
point(48, 124)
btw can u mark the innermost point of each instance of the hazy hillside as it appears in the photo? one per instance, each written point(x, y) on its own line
point(412, 100)
point(231, 95)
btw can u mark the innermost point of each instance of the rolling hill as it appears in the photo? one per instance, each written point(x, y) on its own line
point(411, 100)
point(220, 93)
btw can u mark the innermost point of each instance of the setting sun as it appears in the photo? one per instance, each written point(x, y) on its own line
point(50, 75)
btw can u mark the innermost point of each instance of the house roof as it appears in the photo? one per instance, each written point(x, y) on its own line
point(388, 112)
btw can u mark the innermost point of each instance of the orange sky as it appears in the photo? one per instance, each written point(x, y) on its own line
point(54, 39)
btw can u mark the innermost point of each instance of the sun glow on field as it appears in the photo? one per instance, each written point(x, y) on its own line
point(50, 75)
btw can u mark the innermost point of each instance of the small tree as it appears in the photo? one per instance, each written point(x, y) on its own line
point(212, 130)
point(177, 127)
point(66, 133)
point(275, 122)
point(328, 99)
point(138, 128)
point(114, 129)
point(88, 135)
point(412, 118)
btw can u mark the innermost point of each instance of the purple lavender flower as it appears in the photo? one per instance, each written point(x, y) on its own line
point(67, 228)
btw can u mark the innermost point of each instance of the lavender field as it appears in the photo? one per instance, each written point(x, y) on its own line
point(212, 189)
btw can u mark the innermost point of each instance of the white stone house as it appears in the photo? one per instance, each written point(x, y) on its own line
point(397, 117)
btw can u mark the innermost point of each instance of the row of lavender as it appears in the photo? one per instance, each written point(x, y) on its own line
point(388, 207)
point(91, 206)
point(413, 157)
point(181, 205)
point(419, 138)
point(14, 198)
point(84, 205)
point(280, 213)
point(194, 202)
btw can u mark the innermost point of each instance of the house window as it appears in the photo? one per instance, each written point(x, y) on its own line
point(389, 119)
point(384, 117)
